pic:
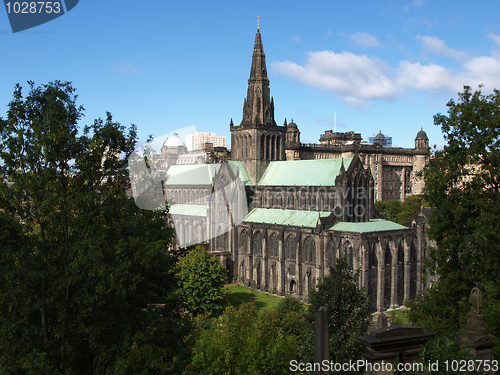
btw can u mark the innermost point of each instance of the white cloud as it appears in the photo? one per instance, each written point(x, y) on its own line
point(365, 40)
point(124, 68)
point(355, 78)
point(495, 38)
point(483, 70)
point(360, 79)
point(413, 4)
point(437, 46)
point(430, 77)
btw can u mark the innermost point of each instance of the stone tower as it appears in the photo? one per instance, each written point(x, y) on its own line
point(258, 140)
point(292, 143)
point(420, 158)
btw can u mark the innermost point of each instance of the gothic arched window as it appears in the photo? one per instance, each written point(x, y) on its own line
point(243, 242)
point(290, 247)
point(257, 243)
point(331, 253)
point(274, 246)
point(310, 250)
point(349, 253)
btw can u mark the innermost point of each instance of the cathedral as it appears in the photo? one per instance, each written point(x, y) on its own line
point(278, 217)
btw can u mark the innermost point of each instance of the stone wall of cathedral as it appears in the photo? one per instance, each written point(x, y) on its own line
point(290, 260)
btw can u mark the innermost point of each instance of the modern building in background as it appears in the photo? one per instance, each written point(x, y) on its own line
point(195, 141)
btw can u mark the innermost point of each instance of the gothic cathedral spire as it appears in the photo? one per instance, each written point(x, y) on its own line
point(258, 107)
point(257, 141)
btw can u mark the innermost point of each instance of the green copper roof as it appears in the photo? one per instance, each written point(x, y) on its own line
point(303, 172)
point(197, 174)
point(285, 217)
point(374, 225)
point(243, 174)
point(188, 209)
point(203, 174)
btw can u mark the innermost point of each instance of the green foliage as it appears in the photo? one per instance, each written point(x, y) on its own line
point(221, 347)
point(347, 308)
point(80, 263)
point(391, 209)
point(243, 341)
point(201, 280)
point(289, 304)
point(441, 349)
point(292, 314)
point(491, 310)
point(160, 346)
point(410, 207)
point(397, 211)
point(462, 186)
point(436, 313)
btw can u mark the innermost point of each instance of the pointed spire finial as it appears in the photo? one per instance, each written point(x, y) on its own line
point(258, 22)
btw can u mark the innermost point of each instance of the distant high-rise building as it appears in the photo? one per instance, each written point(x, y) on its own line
point(195, 141)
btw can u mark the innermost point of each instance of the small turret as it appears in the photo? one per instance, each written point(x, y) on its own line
point(422, 142)
point(292, 135)
point(420, 159)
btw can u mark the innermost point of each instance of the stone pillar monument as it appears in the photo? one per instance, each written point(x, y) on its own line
point(475, 335)
point(321, 340)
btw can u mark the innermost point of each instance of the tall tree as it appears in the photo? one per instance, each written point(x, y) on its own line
point(82, 263)
point(244, 341)
point(201, 282)
point(347, 310)
point(400, 212)
point(462, 186)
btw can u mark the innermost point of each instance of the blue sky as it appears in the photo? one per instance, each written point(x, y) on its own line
point(163, 65)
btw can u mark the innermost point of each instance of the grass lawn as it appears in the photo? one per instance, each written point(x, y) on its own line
point(241, 294)
point(398, 317)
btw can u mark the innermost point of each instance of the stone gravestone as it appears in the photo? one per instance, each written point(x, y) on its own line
point(385, 347)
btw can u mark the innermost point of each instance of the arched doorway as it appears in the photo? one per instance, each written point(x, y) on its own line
point(293, 287)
